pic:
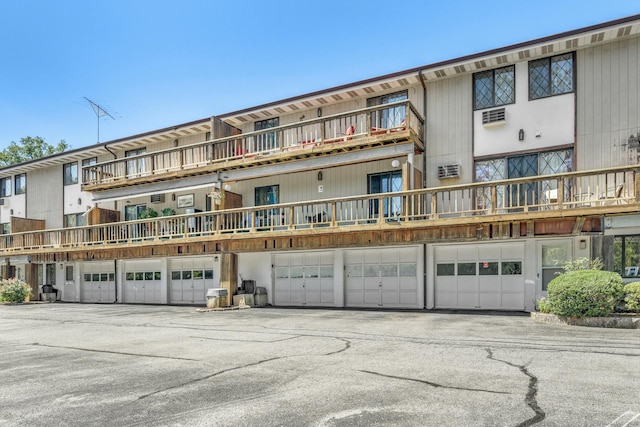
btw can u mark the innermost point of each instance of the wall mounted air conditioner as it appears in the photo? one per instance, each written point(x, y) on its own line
point(4, 203)
point(449, 171)
point(495, 117)
point(157, 198)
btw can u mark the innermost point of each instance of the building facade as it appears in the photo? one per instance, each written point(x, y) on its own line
point(464, 184)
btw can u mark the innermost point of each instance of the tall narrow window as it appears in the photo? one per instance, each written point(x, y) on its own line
point(70, 173)
point(5, 187)
point(20, 183)
point(136, 167)
point(494, 87)
point(268, 195)
point(386, 182)
point(270, 140)
point(389, 117)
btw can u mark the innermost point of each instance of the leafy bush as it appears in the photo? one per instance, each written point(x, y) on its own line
point(583, 293)
point(579, 264)
point(632, 296)
point(543, 305)
point(14, 290)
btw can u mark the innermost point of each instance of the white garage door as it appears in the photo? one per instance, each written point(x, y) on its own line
point(143, 282)
point(382, 278)
point(486, 277)
point(190, 279)
point(98, 282)
point(304, 279)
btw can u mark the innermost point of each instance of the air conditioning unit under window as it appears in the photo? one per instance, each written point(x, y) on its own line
point(449, 171)
point(494, 117)
point(157, 198)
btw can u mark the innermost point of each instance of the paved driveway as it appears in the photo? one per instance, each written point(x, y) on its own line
point(124, 365)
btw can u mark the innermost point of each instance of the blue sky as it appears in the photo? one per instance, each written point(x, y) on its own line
point(158, 63)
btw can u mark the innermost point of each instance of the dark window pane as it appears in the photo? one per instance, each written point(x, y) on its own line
point(483, 86)
point(510, 268)
point(157, 275)
point(197, 274)
point(466, 269)
point(175, 275)
point(208, 274)
point(96, 277)
point(445, 269)
point(488, 268)
point(130, 276)
point(104, 277)
point(186, 275)
point(148, 275)
point(139, 276)
point(87, 277)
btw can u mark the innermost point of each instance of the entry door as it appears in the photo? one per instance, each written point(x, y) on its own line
point(551, 257)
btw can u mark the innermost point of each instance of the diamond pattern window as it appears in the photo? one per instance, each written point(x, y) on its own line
point(494, 87)
point(551, 76)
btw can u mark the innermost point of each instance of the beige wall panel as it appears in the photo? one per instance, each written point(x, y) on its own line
point(607, 104)
point(449, 129)
point(41, 185)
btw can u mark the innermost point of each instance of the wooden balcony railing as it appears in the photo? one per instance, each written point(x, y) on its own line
point(615, 190)
point(383, 122)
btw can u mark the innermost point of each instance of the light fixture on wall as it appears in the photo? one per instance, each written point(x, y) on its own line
point(395, 163)
point(79, 201)
point(583, 244)
point(320, 176)
point(319, 112)
point(173, 197)
point(175, 142)
point(521, 135)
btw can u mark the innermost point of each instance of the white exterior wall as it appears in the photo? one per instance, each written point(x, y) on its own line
point(551, 118)
point(608, 104)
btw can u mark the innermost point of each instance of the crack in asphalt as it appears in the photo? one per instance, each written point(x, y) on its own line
point(248, 365)
point(432, 384)
point(224, 371)
point(120, 353)
point(346, 347)
point(253, 341)
point(532, 391)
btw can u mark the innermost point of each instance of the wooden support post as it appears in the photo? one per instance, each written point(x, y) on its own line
point(560, 200)
point(229, 274)
point(291, 219)
point(434, 206)
point(494, 200)
point(380, 210)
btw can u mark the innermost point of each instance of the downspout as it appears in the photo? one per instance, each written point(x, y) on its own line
point(424, 178)
point(109, 150)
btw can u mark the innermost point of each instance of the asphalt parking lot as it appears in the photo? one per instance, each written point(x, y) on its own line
point(126, 365)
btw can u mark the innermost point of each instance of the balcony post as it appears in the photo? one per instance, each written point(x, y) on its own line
point(380, 210)
point(334, 210)
point(434, 205)
point(291, 226)
point(560, 200)
point(369, 123)
point(494, 200)
point(636, 183)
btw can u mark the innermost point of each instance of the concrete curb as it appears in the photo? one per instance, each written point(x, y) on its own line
point(620, 321)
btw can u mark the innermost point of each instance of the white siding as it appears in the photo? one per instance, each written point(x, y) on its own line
point(44, 196)
point(608, 93)
point(449, 128)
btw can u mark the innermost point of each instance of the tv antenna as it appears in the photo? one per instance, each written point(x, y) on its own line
point(100, 112)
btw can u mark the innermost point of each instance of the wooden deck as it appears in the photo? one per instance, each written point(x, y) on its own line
point(565, 204)
point(353, 130)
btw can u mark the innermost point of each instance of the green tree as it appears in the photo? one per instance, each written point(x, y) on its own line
point(29, 149)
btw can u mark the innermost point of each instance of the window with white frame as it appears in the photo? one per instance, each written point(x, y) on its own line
point(5, 228)
point(551, 76)
point(70, 173)
point(20, 181)
point(494, 87)
point(266, 141)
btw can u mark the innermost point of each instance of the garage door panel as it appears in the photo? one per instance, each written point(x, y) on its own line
point(304, 278)
point(486, 276)
point(389, 277)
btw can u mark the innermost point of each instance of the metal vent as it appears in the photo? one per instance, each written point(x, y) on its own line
point(157, 198)
point(449, 171)
point(492, 117)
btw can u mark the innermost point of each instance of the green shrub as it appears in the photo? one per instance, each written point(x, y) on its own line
point(14, 290)
point(632, 296)
point(544, 306)
point(582, 264)
point(585, 293)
